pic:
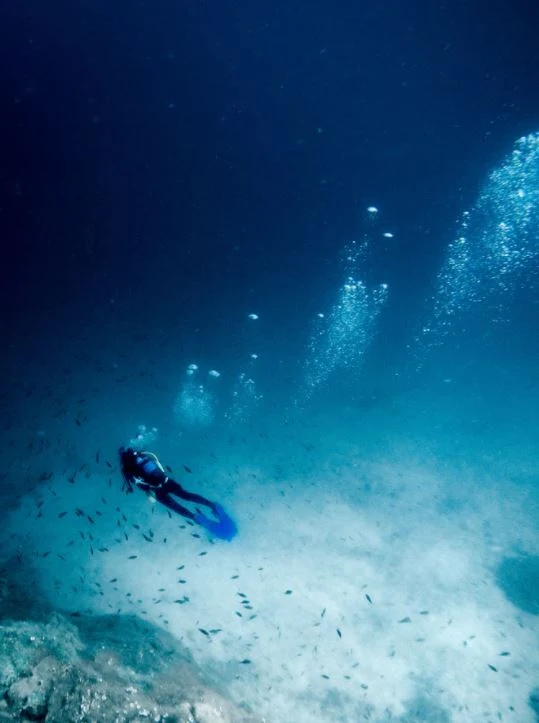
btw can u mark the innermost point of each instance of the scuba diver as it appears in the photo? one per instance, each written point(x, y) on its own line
point(143, 469)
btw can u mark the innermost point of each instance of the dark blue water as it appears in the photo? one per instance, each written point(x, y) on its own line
point(190, 183)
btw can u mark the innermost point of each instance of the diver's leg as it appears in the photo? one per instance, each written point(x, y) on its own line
point(165, 499)
point(174, 488)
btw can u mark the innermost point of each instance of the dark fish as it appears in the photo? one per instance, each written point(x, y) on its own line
point(180, 567)
point(108, 464)
point(103, 549)
point(187, 469)
point(201, 554)
point(103, 500)
point(62, 514)
point(204, 632)
point(114, 579)
point(492, 668)
point(323, 613)
point(90, 519)
point(325, 676)
point(132, 557)
point(169, 469)
point(368, 598)
point(234, 577)
point(77, 422)
point(405, 620)
point(97, 456)
point(339, 633)
point(148, 539)
point(504, 654)
point(288, 592)
point(245, 661)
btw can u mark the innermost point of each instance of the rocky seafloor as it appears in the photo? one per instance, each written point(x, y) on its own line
point(87, 669)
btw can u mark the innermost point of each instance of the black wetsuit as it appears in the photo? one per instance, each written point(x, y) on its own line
point(144, 470)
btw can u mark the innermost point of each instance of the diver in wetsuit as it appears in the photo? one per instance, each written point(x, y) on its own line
point(143, 469)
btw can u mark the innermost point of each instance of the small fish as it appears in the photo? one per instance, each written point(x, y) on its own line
point(288, 592)
point(132, 557)
point(97, 456)
point(108, 464)
point(201, 554)
point(148, 539)
point(339, 633)
point(187, 469)
point(325, 676)
point(204, 632)
point(504, 654)
point(62, 514)
point(245, 661)
point(405, 620)
point(114, 579)
point(492, 668)
point(90, 519)
point(169, 469)
point(234, 577)
point(323, 613)
point(368, 598)
point(103, 549)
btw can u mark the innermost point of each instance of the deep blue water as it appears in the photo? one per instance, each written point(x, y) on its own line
point(169, 168)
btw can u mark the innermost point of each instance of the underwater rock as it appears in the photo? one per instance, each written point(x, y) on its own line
point(518, 577)
point(103, 670)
